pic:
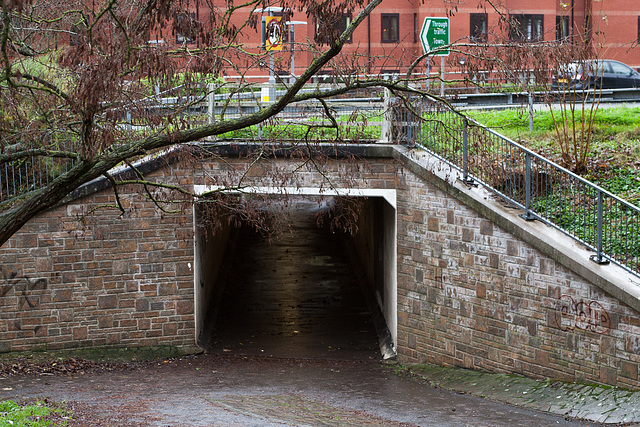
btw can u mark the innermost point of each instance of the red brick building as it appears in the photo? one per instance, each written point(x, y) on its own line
point(389, 39)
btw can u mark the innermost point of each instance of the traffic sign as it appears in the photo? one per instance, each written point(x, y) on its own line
point(435, 34)
point(273, 33)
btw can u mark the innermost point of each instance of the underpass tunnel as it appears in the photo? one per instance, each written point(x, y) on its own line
point(311, 292)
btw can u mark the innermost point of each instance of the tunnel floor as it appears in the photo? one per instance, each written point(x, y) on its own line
point(296, 296)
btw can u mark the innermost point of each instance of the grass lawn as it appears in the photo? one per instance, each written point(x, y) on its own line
point(38, 414)
point(614, 158)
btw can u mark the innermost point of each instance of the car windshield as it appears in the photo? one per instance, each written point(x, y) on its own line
point(573, 68)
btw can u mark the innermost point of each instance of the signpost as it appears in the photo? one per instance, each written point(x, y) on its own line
point(433, 36)
point(272, 39)
point(274, 36)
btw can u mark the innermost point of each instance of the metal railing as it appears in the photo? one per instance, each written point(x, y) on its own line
point(20, 177)
point(545, 191)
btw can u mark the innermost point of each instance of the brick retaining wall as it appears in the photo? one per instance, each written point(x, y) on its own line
point(113, 281)
point(472, 295)
point(108, 280)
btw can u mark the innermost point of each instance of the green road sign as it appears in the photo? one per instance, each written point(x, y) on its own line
point(434, 34)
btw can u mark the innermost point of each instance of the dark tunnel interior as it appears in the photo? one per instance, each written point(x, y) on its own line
point(304, 293)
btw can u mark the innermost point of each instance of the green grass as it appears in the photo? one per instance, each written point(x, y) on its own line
point(288, 132)
point(614, 158)
point(514, 123)
point(31, 415)
point(613, 164)
point(618, 118)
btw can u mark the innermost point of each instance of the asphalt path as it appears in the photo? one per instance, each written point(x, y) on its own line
point(293, 345)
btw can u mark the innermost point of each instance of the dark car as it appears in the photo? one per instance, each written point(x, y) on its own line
point(596, 74)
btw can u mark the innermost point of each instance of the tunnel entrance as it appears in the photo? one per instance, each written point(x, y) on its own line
point(310, 293)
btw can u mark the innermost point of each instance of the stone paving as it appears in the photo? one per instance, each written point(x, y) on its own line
point(597, 403)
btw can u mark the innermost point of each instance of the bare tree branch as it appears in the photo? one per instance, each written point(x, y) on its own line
point(101, 76)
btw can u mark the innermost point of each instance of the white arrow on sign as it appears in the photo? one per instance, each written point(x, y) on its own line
point(423, 35)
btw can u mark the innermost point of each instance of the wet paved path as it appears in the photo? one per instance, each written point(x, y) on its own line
point(291, 348)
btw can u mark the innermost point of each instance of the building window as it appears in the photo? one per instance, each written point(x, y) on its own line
point(389, 73)
point(562, 27)
point(479, 27)
point(345, 21)
point(340, 25)
point(638, 29)
point(184, 27)
point(390, 33)
point(527, 28)
point(415, 28)
point(74, 38)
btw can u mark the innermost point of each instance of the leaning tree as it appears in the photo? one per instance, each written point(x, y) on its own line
point(81, 82)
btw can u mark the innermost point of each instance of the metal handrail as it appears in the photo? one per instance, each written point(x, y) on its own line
point(605, 223)
point(20, 178)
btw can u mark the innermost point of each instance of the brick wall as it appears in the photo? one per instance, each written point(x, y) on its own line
point(110, 281)
point(472, 295)
point(69, 280)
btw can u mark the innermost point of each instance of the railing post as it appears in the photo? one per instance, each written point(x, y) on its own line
point(13, 180)
point(530, 111)
point(385, 134)
point(211, 105)
point(465, 153)
point(527, 215)
point(598, 258)
point(442, 76)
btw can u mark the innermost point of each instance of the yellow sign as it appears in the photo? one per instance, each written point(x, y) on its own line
point(273, 33)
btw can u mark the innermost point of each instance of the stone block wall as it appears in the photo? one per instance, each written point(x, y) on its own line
point(104, 280)
point(472, 295)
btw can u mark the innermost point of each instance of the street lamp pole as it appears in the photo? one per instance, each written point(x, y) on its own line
point(272, 79)
point(292, 40)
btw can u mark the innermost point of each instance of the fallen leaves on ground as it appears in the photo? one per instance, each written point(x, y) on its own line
point(70, 366)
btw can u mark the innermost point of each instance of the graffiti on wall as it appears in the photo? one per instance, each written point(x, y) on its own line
point(585, 315)
point(23, 286)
